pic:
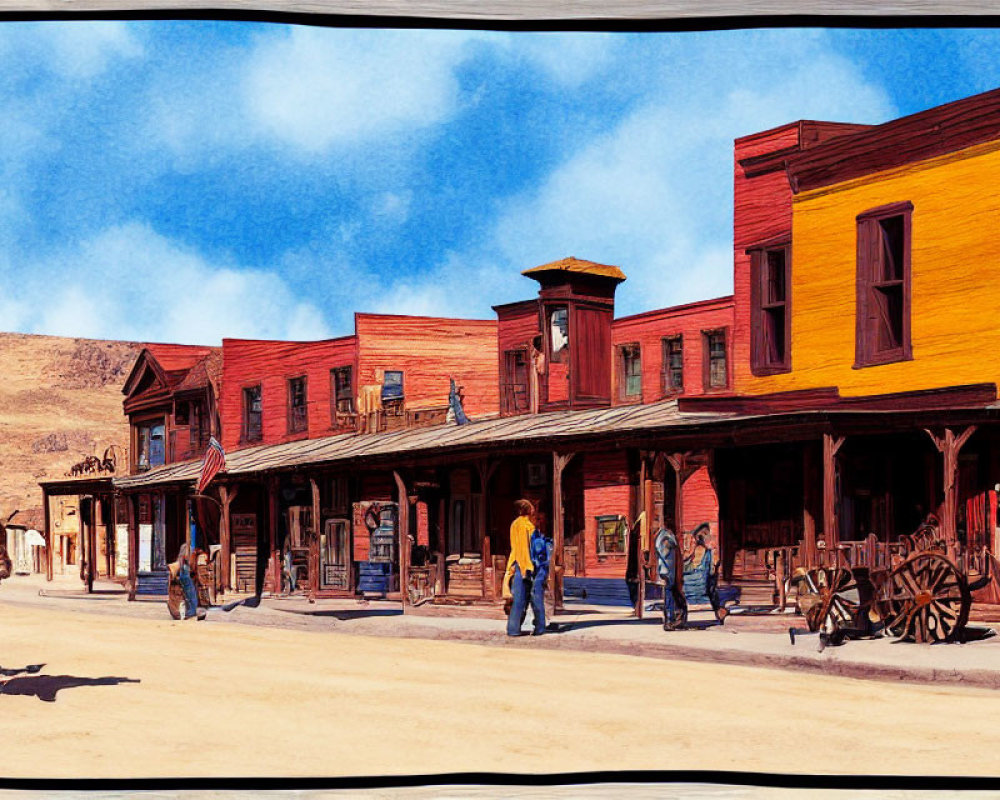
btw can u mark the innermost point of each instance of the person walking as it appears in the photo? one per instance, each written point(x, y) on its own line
point(541, 553)
point(518, 578)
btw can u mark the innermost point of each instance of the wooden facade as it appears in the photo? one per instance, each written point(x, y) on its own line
point(271, 365)
point(767, 415)
point(687, 325)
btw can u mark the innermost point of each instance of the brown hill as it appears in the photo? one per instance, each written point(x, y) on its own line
point(60, 400)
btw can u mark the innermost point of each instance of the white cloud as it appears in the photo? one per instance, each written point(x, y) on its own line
point(76, 50)
point(316, 88)
point(654, 194)
point(129, 282)
point(568, 59)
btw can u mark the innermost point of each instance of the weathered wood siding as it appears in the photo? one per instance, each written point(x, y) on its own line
point(954, 282)
point(247, 362)
point(606, 490)
point(517, 325)
point(762, 209)
point(429, 351)
point(648, 331)
point(700, 502)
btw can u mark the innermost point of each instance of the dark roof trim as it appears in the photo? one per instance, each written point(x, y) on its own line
point(934, 132)
point(975, 395)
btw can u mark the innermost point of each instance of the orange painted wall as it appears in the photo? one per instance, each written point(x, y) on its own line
point(429, 350)
point(648, 331)
point(955, 284)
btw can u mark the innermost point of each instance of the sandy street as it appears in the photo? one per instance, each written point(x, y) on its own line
point(211, 699)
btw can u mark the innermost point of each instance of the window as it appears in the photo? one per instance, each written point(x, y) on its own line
point(673, 365)
point(392, 393)
point(629, 372)
point(770, 342)
point(150, 445)
point(716, 371)
point(882, 332)
point(343, 390)
point(559, 334)
point(611, 530)
point(252, 418)
point(514, 387)
point(297, 419)
point(198, 432)
point(181, 410)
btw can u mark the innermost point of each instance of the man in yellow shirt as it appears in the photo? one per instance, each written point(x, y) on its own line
point(517, 580)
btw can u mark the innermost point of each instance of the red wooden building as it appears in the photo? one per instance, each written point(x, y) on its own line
point(792, 416)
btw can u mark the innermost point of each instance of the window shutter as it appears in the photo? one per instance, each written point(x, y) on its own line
point(865, 313)
point(758, 291)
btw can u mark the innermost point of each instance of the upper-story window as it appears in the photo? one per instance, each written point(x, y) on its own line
point(150, 444)
point(298, 420)
point(882, 330)
point(673, 365)
point(392, 393)
point(342, 381)
point(559, 334)
point(770, 342)
point(252, 416)
point(514, 398)
point(716, 366)
point(181, 412)
point(629, 372)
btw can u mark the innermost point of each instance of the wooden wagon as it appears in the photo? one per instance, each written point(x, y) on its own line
point(920, 595)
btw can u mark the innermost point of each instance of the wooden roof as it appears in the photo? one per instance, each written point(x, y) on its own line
point(526, 430)
point(936, 131)
point(578, 266)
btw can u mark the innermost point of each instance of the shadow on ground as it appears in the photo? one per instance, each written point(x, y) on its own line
point(346, 615)
point(46, 687)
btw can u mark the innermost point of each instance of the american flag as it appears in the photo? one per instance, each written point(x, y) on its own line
point(215, 460)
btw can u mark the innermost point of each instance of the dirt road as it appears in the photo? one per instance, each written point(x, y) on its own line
point(212, 699)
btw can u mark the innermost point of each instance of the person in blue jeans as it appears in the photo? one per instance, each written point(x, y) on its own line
point(520, 569)
point(541, 553)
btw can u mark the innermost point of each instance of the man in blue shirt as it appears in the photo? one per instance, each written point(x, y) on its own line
point(540, 548)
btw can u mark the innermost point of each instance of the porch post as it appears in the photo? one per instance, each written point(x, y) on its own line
point(949, 445)
point(133, 546)
point(48, 535)
point(314, 541)
point(831, 492)
point(225, 535)
point(272, 535)
point(808, 555)
point(486, 467)
point(646, 506)
point(559, 462)
point(679, 461)
point(404, 538)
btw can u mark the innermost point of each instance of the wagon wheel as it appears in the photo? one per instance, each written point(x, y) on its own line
point(829, 598)
point(926, 599)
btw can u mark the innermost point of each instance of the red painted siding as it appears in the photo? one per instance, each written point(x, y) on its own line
point(517, 325)
point(247, 362)
point(700, 502)
point(606, 490)
point(762, 208)
point(429, 351)
point(648, 331)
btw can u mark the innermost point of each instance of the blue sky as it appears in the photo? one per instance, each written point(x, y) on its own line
point(185, 181)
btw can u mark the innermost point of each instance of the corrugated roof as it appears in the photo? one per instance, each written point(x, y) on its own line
point(577, 265)
point(507, 430)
